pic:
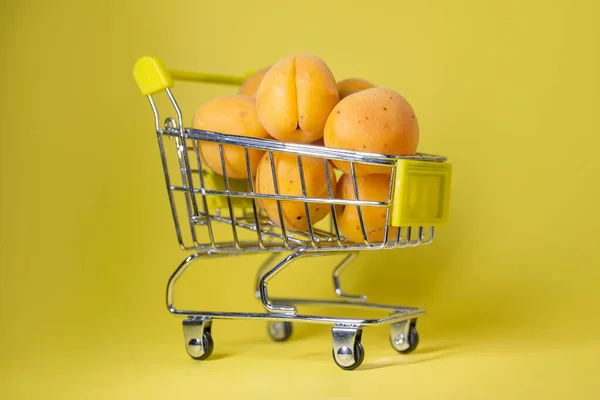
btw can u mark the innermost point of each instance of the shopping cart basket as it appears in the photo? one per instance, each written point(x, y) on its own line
point(204, 204)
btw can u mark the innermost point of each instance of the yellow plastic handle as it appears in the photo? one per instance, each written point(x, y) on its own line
point(207, 78)
point(152, 76)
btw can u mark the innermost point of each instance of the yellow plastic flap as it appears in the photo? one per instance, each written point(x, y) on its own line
point(421, 193)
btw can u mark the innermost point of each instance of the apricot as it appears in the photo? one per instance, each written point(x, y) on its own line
point(289, 184)
point(348, 86)
point(376, 120)
point(234, 115)
point(295, 98)
point(251, 84)
point(370, 188)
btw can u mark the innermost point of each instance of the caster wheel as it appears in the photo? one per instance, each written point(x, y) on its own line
point(413, 341)
point(207, 345)
point(359, 356)
point(280, 331)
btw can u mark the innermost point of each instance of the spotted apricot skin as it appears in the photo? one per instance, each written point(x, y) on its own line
point(370, 188)
point(376, 120)
point(289, 184)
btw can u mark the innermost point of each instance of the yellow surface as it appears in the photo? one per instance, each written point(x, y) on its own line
point(422, 193)
point(508, 90)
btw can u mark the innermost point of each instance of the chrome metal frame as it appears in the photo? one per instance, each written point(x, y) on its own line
point(285, 307)
point(274, 237)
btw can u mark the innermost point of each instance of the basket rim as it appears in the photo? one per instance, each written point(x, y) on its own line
point(301, 149)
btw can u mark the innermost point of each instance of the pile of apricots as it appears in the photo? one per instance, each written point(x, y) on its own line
point(298, 100)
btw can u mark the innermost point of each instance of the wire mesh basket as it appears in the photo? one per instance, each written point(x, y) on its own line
point(216, 215)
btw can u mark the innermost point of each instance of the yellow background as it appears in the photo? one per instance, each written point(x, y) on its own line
point(507, 90)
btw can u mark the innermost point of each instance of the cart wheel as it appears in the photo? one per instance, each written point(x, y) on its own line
point(207, 345)
point(280, 331)
point(412, 338)
point(344, 353)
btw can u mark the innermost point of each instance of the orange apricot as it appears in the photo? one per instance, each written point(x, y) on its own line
point(289, 184)
point(234, 115)
point(370, 188)
point(251, 84)
point(295, 98)
point(376, 120)
point(348, 86)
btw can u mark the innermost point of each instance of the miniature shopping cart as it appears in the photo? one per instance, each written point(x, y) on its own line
point(216, 216)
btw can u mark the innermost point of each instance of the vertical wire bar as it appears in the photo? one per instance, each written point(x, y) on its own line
point(255, 212)
point(189, 192)
point(358, 208)
point(306, 208)
point(398, 236)
point(163, 158)
point(399, 228)
point(388, 214)
point(226, 181)
point(155, 112)
point(211, 234)
point(421, 235)
point(331, 205)
point(408, 236)
point(182, 136)
point(276, 187)
point(186, 174)
point(416, 242)
point(431, 234)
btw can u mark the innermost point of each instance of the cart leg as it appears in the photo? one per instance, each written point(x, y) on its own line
point(262, 287)
point(197, 329)
point(262, 284)
point(279, 331)
point(198, 338)
point(175, 276)
point(348, 351)
point(180, 271)
point(336, 278)
point(262, 269)
point(336, 275)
